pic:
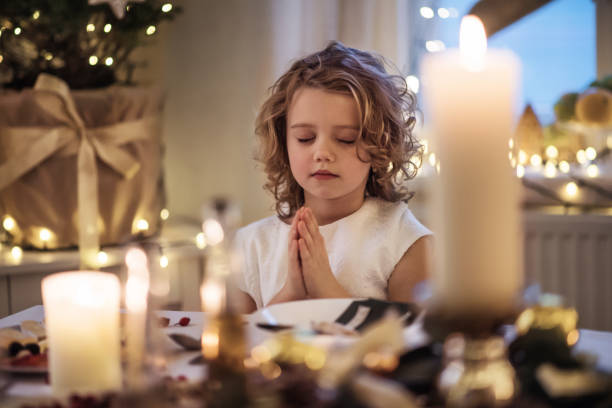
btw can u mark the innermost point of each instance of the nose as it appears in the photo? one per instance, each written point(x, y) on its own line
point(323, 151)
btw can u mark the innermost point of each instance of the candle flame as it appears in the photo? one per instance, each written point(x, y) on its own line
point(472, 43)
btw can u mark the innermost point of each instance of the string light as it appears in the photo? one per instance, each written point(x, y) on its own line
point(522, 157)
point(16, 253)
point(581, 156)
point(443, 12)
point(150, 30)
point(163, 261)
point(44, 234)
point(552, 152)
point(432, 158)
point(107, 28)
point(520, 171)
point(142, 225)
point(564, 167)
point(426, 12)
point(166, 7)
point(201, 240)
point(17, 30)
point(592, 170)
point(412, 83)
point(513, 162)
point(571, 189)
point(510, 156)
point(550, 170)
point(93, 60)
point(511, 143)
point(90, 28)
point(109, 61)
point(536, 160)
point(102, 258)
point(9, 223)
point(36, 15)
point(591, 153)
point(47, 55)
point(164, 214)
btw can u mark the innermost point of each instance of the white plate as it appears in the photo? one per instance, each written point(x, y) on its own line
point(300, 313)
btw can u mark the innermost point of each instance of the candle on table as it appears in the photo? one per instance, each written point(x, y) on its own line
point(82, 321)
point(136, 292)
point(470, 97)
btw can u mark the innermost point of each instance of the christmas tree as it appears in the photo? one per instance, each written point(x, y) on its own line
point(88, 44)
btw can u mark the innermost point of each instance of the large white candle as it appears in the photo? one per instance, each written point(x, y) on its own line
point(470, 99)
point(82, 319)
point(136, 293)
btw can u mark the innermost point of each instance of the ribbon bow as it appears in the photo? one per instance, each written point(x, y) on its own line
point(53, 95)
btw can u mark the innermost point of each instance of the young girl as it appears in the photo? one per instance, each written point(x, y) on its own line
point(336, 143)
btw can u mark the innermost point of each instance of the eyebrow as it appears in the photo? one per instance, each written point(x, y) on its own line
point(307, 125)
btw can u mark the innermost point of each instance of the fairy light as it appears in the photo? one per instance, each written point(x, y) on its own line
point(109, 61)
point(434, 46)
point(550, 170)
point(142, 225)
point(36, 15)
point(90, 28)
point(443, 13)
point(44, 234)
point(102, 258)
point(213, 231)
point(200, 240)
point(552, 152)
point(151, 30)
point(426, 12)
point(564, 167)
point(536, 160)
point(432, 158)
point(166, 7)
point(47, 55)
point(16, 253)
point(590, 153)
point(164, 214)
point(592, 170)
point(520, 171)
point(412, 82)
point(93, 60)
point(522, 157)
point(1, 58)
point(571, 189)
point(17, 30)
point(513, 162)
point(107, 28)
point(510, 156)
point(9, 223)
point(581, 156)
point(511, 143)
point(163, 261)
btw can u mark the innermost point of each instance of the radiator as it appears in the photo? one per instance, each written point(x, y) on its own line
point(571, 255)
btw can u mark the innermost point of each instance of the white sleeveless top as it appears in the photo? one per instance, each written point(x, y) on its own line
point(363, 249)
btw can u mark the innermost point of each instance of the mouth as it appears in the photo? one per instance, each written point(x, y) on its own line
point(324, 175)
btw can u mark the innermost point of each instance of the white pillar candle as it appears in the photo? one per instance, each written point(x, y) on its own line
point(470, 99)
point(212, 294)
point(136, 293)
point(82, 320)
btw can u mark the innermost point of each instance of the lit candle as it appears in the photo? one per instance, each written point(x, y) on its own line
point(212, 294)
point(136, 292)
point(470, 97)
point(82, 320)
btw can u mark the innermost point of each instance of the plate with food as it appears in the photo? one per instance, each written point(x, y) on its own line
point(23, 348)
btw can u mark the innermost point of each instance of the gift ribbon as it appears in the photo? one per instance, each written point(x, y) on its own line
point(53, 95)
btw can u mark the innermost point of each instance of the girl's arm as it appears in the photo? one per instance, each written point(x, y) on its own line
point(246, 302)
point(412, 268)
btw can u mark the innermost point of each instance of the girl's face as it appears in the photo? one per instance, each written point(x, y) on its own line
point(322, 133)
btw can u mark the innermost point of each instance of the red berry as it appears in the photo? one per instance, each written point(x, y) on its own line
point(181, 378)
point(184, 321)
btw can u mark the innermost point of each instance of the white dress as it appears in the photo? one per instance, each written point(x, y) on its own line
point(363, 249)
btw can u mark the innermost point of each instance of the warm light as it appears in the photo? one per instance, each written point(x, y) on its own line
point(425, 144)
point(536, 160)
point(572, 337)
point(261, 354)
point(109, 61)
point(17, 30)
point(564, 167)
point(137, 284)
point(520, 171)
point(90, 28)
point(443, 13)
point(550, 170)
point(271, 370)
point(510, 156)
point(44, 234)
point(210, 343)
point(581, 156)
point(163, 261)
point(1, 58)
point(513, 162)
point(9, 223)
point(93, 60)
point(432, 159)
point(412, 83)
point(201, 240)
point(571, 189)
point(166, 7)
point(150, 30)
point(434, 46)
point(472, 43)
point(522, 157)
point(592, 170)
point(426, 12)
point(36, 15)
point(511, 143)
point(102, 258)
point(212, 294)
point(136, 259)
point(142, 225)
point(213, 231)
point(552, 152)
point(164, 214)
point(314, 359)
point(47, 55)
point(16, 253)
point(108, 28)
point(591, 153)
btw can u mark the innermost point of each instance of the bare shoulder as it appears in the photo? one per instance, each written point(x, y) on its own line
point(413, 267)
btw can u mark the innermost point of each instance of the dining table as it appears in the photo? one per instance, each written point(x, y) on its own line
point(18, 389)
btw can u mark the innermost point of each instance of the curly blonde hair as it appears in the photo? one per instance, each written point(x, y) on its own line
point(387, 116)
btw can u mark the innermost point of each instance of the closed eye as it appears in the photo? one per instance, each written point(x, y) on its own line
point(305, 139)
point(346, 141)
